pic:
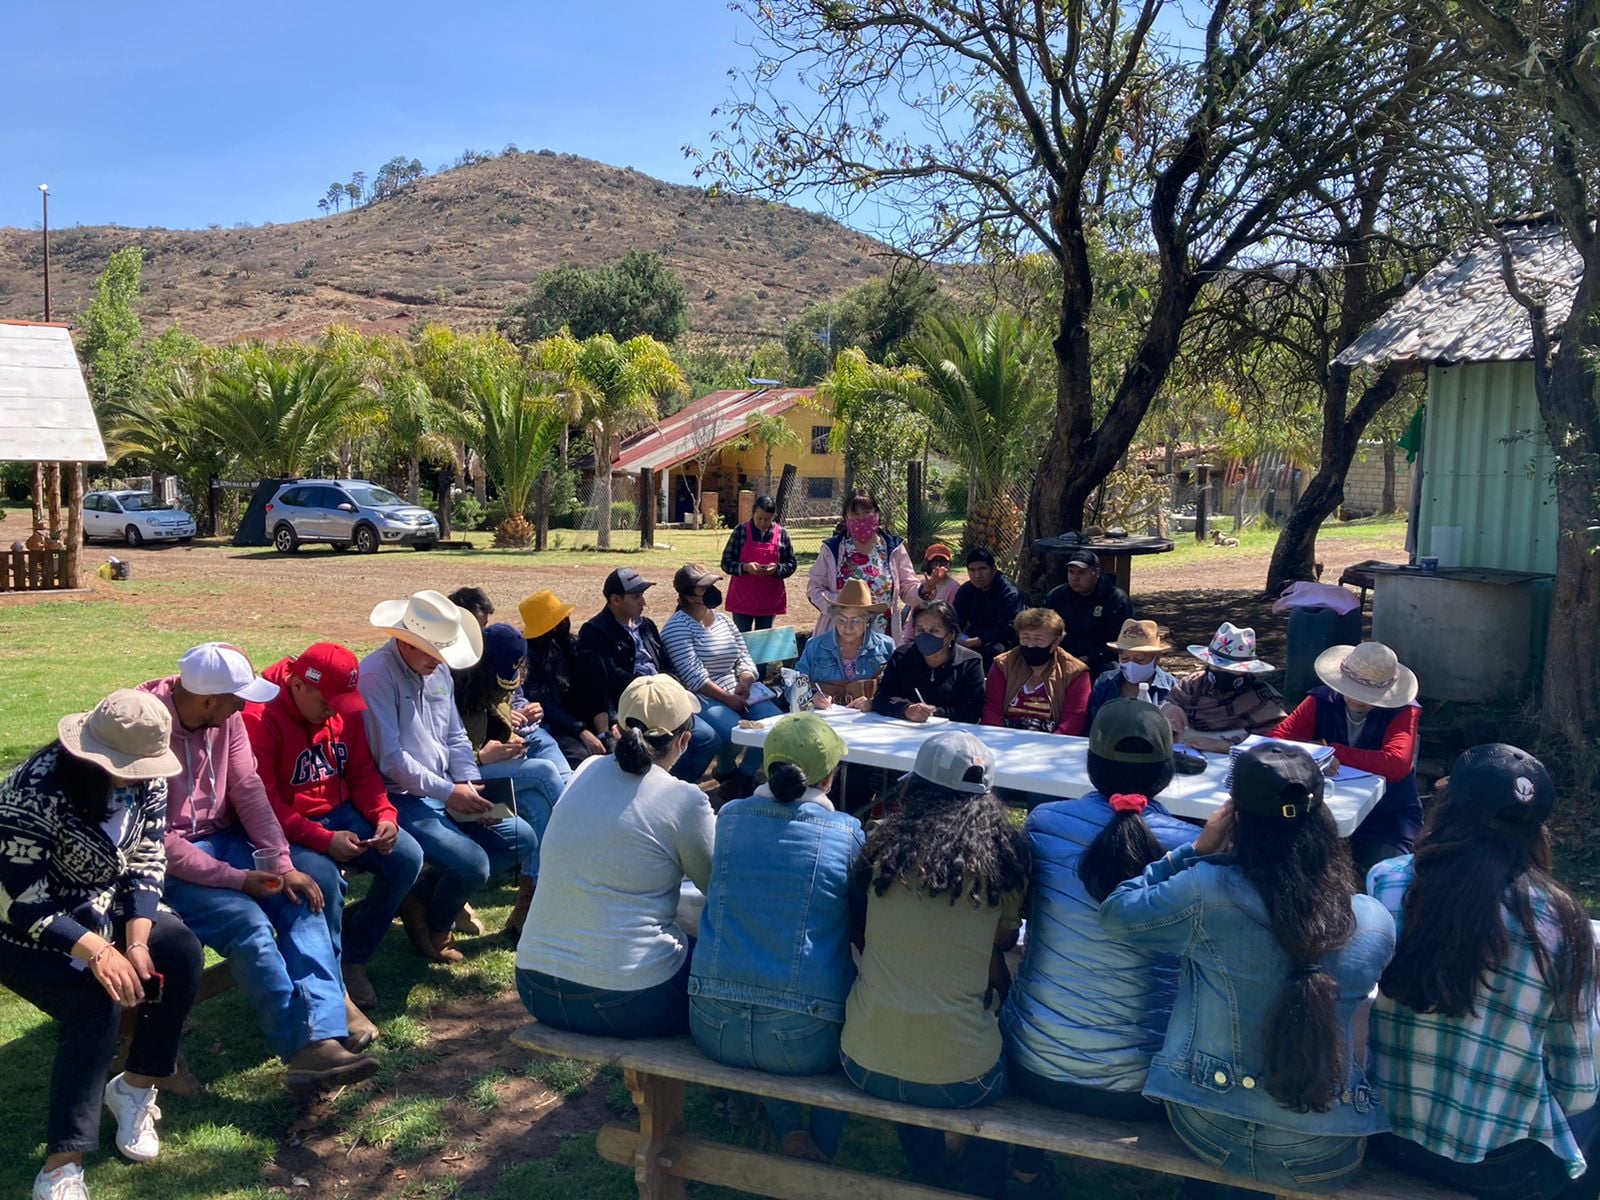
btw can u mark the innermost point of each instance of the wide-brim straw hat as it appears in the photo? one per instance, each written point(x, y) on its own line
point(128, 733)
point(431, 623)
point(1370, 673)
point(1139, 636)
point(856, 594)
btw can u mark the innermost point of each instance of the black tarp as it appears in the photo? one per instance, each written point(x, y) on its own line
point(253, 527)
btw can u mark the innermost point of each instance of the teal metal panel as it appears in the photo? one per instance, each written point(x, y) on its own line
point(1488, 467)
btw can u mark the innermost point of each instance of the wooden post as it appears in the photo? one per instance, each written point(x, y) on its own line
point(660, 1104)
point(446, 480)
point(647, 508)
point(52, 490)
point(1238, 506)
point(1202, 494)
point(38, 497)
point(541, 512)
point(72, 572)
point(914, 510)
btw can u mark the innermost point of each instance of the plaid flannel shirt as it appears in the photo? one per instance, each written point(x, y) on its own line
point(1465, 1086)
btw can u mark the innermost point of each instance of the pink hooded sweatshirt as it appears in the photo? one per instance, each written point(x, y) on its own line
point(218, 788)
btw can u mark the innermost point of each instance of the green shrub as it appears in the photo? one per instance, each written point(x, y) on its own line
point(467, 513)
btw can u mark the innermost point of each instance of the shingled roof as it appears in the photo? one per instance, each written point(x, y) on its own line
point(1461, 311)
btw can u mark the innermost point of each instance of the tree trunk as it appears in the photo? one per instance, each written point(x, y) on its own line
point(1388, 504)
point(602, 491)
point(414, 477)
point(767, 479)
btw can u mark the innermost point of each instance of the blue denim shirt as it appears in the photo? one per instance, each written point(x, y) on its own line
point(776, 926)
point(1086, 1007)
point(822, 662)
point(1205, 911)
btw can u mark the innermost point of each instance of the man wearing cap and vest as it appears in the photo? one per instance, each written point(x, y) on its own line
point(1093, 608)
point(311, 751)
point(230, 877)
point(627, 644)
point(426, 758)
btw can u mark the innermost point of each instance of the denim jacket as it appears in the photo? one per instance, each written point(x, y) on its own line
point(1086, 1008)
point(1233, 969)
point(776, 926)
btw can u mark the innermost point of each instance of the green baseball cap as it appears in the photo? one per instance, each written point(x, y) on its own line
point(1131, 731)
point(807, 741)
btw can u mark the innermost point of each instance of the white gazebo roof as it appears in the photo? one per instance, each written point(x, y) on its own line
point(45, 414)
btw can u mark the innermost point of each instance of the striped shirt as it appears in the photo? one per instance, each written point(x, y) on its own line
point(701, 655)
point(1464, 1087)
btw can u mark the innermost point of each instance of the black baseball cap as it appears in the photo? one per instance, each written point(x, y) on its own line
point(624, 581)
point(1502, 783)
point(1277, 781)
point(1087, 557)
point(1131, 731)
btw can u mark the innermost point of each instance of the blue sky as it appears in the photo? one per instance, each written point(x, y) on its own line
point(179, 113)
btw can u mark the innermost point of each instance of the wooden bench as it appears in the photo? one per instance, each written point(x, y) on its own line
point(663, 1156)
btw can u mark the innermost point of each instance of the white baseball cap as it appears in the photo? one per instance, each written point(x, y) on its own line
point(218, 669)
point(957, 760)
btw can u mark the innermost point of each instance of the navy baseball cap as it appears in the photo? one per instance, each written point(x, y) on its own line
point(1502, 783)
point(625, 581)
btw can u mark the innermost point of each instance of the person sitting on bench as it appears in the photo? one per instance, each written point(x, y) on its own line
point(1087, 1010)
point(1259, 1071)
point(845, 662)
point(1038, 686)
point(945, 875)
point(602, 952)
point(772, 967)
point(1496, 968)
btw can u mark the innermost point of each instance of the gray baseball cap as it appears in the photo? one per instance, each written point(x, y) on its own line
point(957, 760)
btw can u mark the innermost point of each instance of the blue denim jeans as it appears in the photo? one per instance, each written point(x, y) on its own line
point(1275, 1158)
point(658, 1011)
point(779, 1042)
point(538, 786)
point(543, 746)
point(724, 721)
point(703, 745)
point(983, 1163)
point(358, 929)
point(281, 953)
point(459, 856)
point(1523, 1170)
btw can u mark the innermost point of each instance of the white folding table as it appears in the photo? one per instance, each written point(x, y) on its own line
point(1051, 764)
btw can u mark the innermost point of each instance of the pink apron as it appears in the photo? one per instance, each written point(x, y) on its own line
point(759, 595)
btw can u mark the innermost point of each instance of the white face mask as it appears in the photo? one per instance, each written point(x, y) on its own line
point(1138, 672)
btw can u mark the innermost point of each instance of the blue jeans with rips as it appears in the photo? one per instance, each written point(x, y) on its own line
point(359, 928)
point(281, 953)
point(458, 857)
point(779, 1042)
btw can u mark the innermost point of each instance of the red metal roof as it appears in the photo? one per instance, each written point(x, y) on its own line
point(712, 420)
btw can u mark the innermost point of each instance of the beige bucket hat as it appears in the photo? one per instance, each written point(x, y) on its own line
point(128, 733)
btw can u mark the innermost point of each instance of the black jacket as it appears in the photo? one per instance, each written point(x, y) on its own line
point(1092, 621)
point(955, 689)
point(608, 640)
point(989, 616)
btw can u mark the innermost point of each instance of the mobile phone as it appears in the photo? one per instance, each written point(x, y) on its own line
point(154, 987)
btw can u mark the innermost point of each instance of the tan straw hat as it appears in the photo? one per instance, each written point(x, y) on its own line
point(431, 623)
point(856, 594)
point(1139, 636)
point(128, 733)
point(1370, 673)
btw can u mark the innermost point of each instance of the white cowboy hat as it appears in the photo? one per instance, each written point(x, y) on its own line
point(1232, 649)
point(1370, 673)
point(431, 623)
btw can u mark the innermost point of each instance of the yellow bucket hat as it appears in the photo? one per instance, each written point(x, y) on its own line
point(542, 612)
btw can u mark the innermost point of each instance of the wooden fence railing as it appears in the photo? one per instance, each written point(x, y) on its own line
point(33, 570)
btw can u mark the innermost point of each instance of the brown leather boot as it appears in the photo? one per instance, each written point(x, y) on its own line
point(328, 1064)
point(358, 987)
point(435, 947)
point(519, 911)
point(467, 922)
point(362, 1031)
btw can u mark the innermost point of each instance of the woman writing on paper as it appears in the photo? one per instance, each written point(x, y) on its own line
point(845, 662)
point(932, 677)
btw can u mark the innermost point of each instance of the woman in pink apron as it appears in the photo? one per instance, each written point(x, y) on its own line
point(757, 560)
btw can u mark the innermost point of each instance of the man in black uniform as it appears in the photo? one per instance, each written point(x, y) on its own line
point(1093, 608)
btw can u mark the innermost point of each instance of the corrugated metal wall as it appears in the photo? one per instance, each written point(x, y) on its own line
point(1487, 467)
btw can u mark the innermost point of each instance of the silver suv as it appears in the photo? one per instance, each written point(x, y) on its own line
point(346, 513)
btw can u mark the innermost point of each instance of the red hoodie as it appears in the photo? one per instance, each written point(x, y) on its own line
point(309, 770)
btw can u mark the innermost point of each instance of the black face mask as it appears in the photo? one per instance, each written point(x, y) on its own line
point(713, 597)
point(1225, 681)
point(1037, 656)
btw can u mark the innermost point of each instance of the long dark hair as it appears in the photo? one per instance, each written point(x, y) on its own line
point(637, 751)
point(1303, 873)
point(86, 785)
point(1453, 932)
point(550, 657)
point(1125, 846)
point(941, 841)
point(476, 688)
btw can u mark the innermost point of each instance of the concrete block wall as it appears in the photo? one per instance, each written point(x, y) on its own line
point(1363, 486)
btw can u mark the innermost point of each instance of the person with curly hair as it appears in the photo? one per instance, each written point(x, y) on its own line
point(944, 877)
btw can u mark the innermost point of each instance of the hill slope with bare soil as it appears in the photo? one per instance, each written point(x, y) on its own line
point(458, 247)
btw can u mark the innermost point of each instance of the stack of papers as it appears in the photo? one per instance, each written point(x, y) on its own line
point(1321, 754)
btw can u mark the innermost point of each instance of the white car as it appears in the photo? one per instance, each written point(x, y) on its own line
point(134, 518)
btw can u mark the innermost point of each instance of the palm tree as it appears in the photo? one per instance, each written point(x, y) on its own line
point(976, 382)
point(282, 410)
point(515, 420)
point(612, 389)
point(166, 424)
point(770, 432)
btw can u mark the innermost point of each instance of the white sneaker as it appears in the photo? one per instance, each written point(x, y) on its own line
point(64, 1183)
point(136, 1113)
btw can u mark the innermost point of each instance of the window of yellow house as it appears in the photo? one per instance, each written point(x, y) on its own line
point(819, 442)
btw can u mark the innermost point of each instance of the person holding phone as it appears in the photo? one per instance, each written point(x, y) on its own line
point(427, 763)
point(82, 937)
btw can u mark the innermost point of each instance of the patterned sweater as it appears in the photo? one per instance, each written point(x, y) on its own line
point(61, 876)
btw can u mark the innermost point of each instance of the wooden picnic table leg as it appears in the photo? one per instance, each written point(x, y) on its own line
point(660, 1104)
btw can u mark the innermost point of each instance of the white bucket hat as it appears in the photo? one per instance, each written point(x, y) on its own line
point(1370, 673)
point(431, 623)
point(128, 733)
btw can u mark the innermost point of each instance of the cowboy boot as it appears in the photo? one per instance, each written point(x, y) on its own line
point(362, 1031)
point(467, 922)
point(435, 947)
point(519, 910)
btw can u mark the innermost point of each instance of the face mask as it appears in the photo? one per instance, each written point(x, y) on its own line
point(1138, 672)
point(862, 529)
point(1037, 656)
point(929, 644)
point(713, 597)
point(1225, 681)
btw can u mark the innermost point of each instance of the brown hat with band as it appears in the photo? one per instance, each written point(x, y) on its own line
point(857, 595)
point(1139, 636)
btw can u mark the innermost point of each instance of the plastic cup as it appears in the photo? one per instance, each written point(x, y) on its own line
point(267, 861)
point(1429, 564)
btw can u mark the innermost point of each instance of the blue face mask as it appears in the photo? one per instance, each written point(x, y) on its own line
point(929, 644)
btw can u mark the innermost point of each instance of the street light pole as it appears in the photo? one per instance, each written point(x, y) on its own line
point(44, 195)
